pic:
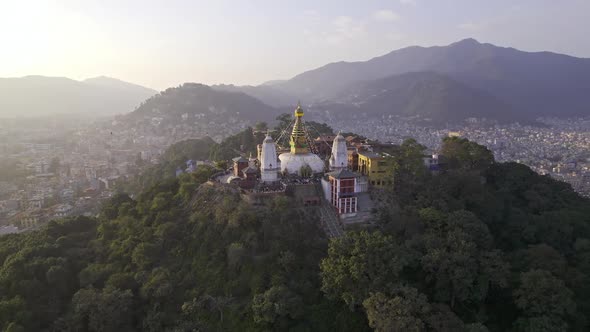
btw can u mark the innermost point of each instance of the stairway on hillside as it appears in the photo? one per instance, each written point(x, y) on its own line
point(330, 221)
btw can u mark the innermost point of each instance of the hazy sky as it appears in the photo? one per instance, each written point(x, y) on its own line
point(164, 43)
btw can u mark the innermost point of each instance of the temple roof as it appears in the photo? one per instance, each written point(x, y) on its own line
point(343, 174)
point(249, 170)
point(240, 159)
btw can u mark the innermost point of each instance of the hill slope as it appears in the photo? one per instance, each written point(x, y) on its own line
point(535, 84)
point(423, 94)
point(202, 100)
point(265, 92)
point(40, 96)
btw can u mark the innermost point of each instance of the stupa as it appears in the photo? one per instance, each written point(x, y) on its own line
point(300, 156)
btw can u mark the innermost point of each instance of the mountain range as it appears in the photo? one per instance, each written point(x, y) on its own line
point(461, 80)
point(485, 81)
point(42, 96)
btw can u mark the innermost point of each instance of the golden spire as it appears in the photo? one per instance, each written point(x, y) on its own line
point(298, 141)
point(299, 110)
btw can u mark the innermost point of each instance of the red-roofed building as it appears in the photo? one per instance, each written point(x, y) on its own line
point(343, 191)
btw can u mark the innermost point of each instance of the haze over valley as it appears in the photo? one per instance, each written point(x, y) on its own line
point(327, 166)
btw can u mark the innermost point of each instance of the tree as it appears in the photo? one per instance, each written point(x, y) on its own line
point(10, 310)
point(14, 327)
point(109, 310)
point(406, 168)
point(277, 302)
point(158, 285)
point(235, 254)
point(94, 275)
point(216, 304)
point(221, 164)
point(261, 126)
point(545, 302)
point(411, 157)
point(405, 311)
point(110, 209)
point(458, 260)
point(462, 153)
point(409, 310)
point(360, 263)
point(284, 121)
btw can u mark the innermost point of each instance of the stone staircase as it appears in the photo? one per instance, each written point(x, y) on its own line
point(328, 217)
point(330, 221)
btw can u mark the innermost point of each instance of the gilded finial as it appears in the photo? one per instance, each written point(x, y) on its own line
point(299, 110)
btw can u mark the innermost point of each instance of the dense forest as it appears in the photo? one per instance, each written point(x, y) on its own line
point(480, 246)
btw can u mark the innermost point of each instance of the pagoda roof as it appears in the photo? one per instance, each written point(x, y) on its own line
point(250, 169)
point(240, 159)
point(343, 174)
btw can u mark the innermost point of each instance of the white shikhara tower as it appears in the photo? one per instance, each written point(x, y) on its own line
point(269, 167)
point(339, 158)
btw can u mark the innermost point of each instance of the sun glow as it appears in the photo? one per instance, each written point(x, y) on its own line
point(46, 37)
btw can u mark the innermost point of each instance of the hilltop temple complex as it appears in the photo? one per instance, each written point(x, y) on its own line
point(333, 173)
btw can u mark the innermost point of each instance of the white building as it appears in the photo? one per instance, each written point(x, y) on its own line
point(339, 158)
point(269, 166)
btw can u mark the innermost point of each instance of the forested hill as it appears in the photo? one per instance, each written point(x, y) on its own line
point(480, 247)
point(204, 103)
point(265, 93)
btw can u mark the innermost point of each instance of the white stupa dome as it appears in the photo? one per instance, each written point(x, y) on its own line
point(300, 154)
point(292, 163)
